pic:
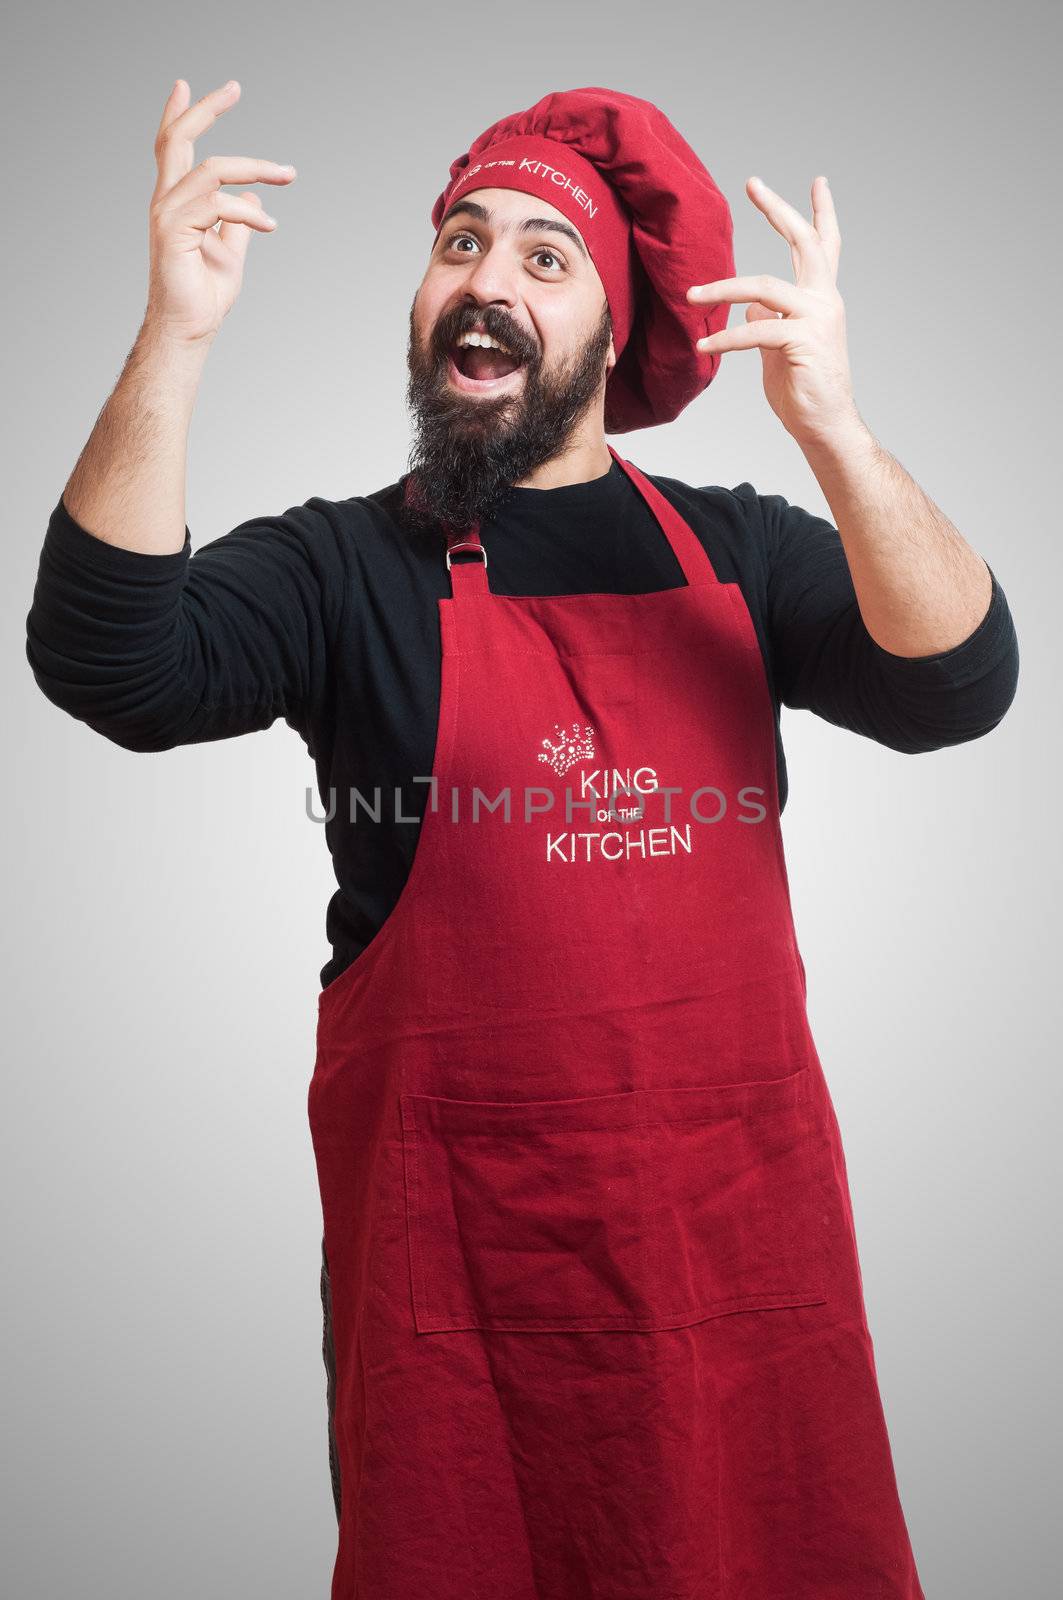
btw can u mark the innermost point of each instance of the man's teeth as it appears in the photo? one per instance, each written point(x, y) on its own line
point(483, 340)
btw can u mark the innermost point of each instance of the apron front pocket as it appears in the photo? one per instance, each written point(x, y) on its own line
point(738, 1199)
point(636, 1211)
point(526, 1215)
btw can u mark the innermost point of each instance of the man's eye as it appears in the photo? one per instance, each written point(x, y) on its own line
point(459, 238)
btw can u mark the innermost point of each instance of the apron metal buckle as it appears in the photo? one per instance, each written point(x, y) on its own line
point(466, 544)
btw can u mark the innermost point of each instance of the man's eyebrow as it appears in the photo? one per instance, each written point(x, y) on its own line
point(529, 224)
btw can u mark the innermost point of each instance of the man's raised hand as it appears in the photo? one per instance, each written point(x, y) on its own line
point(196, 268)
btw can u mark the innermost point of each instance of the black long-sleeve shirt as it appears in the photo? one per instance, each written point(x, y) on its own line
point(325, 615)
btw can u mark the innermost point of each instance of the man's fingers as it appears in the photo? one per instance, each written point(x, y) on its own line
point(236, 236)
point(825, 222)
point(205, 210)
point(215, 170)
point(175, 104)
point(774, 293)
point(810, 263)
point(178, 132)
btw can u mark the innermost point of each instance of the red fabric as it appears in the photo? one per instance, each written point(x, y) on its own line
point(651, 217)
point(598, 1317)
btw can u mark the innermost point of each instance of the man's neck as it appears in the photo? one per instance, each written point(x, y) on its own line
point(587, 460)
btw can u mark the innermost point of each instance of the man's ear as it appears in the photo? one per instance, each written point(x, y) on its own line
point(610, 358)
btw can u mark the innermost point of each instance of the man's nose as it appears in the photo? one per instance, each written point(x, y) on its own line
point(493, 278)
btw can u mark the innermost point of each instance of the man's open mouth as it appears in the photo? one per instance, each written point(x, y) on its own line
point(481, 366)
point(493, 385)
point(483, 361)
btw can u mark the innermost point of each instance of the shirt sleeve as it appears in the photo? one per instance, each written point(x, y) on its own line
point(154, 651)
point(826, 661)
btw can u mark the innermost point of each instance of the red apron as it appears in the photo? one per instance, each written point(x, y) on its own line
point(596, 1307)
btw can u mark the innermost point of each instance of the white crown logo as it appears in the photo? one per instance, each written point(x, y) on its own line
point(572, 746)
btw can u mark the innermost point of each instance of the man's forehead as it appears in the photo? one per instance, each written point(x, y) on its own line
point(509, 201)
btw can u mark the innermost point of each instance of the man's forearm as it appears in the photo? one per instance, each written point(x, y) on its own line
point(920, 586)
point(128, 487)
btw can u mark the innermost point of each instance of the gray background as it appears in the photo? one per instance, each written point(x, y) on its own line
point(163, 1392)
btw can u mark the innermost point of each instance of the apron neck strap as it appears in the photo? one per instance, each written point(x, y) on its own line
point(468, 575)
point(686, 546)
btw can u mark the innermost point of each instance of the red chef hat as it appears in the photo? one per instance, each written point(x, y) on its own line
point(653, 221)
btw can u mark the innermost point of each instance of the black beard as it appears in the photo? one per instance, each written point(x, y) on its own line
point(468, 452)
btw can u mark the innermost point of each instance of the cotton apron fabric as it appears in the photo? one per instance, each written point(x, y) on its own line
point(594, 1308)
